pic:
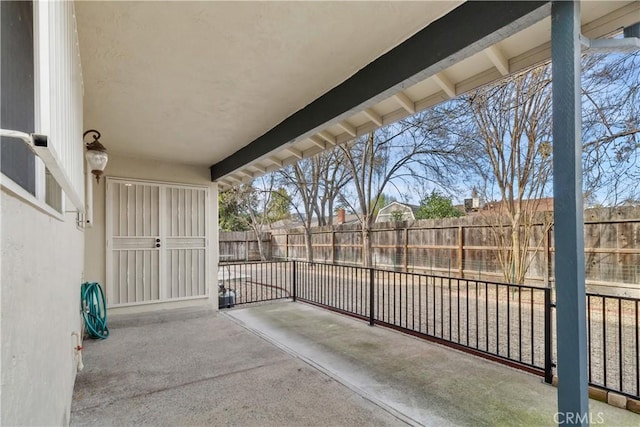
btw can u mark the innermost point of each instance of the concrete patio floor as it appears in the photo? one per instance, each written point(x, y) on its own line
point(293, 364)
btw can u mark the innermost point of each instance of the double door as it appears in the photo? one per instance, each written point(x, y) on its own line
point(156, 242)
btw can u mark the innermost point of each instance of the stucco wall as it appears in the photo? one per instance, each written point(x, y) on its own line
point(124, 167)
point(42, 263)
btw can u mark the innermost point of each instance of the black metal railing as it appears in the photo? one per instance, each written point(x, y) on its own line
point(612, 337)
point(511, 324)
point(251, 282)
point(502, 322)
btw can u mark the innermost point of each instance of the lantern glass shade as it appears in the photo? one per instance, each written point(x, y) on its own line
point(97, 161)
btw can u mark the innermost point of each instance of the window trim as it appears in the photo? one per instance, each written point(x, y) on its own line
point(14, 189)
point(41, 121)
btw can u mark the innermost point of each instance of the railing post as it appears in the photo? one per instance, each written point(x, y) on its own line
point(548, 338)
point(294, 281)
point(372, 299)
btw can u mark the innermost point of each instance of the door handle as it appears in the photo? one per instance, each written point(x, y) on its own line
point(157, 245)
point(158, 240)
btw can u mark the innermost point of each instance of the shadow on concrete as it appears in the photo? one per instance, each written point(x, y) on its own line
point(293, 364)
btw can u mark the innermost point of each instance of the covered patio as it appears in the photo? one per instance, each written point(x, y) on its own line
point(196, 97)
point(286, 363)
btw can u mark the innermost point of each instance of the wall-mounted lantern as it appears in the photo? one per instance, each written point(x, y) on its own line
point(96, 154)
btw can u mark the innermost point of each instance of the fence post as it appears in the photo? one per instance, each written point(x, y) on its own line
point(406, 249)
point(548, 337)
point(294, 281)
point(246, 246)
point(333, 246)
point(372, 300)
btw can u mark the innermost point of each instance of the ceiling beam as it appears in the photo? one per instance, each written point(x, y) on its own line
point(276, 161)
point(498, 59)
point(295, 152)
point(245, 173)
point(405, 102)
point(373, 116)
point(348, 128)
point(445, 84)
point(446, 41)
point(259, 168)
point(318, 142)
point(328, 137)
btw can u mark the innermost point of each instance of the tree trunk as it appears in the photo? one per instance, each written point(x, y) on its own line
point(367, 253)
point(260, 248)
point(308, 245)
point(515, 256)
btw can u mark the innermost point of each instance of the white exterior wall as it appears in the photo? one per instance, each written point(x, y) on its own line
point(42, 262)
point(124, 167)
point(43, 251)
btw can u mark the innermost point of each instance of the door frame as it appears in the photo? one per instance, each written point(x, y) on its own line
point(162, 255)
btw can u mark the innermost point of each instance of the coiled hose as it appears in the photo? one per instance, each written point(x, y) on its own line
point(94, 310)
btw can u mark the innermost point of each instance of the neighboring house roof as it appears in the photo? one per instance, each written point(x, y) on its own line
point(385, 214)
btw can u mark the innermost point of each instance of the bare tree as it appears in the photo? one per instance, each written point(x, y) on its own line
point(511, 124)
point(611, 127)
point(255, 201)
point(334, 177)
point(416, 148)
point(315, 182)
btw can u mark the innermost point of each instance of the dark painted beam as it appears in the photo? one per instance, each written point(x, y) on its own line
point(461, 33)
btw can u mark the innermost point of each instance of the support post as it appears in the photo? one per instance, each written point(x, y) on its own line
point(573, 396)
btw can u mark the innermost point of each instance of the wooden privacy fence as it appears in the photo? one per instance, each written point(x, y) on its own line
point(464, 247)
point(243, 246)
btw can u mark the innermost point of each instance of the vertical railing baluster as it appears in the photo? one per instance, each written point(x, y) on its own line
point(637, 351)
point(294, 280)
point(589, 356)
point(548, 337)
point(372, 313)
point(520, 324)
point(531, 306)
point(620, 372)
point(441, 306)
point(413, 304)
point(450, 311)
point(458, 310)
point(477, 317)
point(399, 276)
point(497, 320)
point(486, 316)
point(467, 304)
point(604, 338)
point(508, 321)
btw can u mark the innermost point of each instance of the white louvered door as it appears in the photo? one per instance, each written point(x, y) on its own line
point(184, 241)
point(156, 242)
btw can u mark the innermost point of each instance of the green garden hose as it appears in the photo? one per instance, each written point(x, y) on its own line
point(94, 310)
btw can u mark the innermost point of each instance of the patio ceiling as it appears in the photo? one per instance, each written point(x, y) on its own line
point(197, 82)
point(193, 82)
